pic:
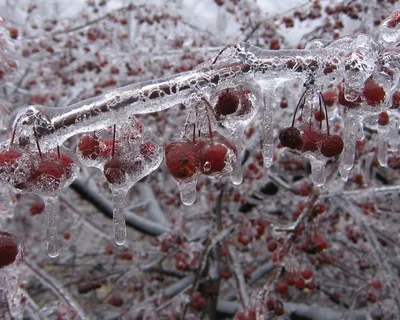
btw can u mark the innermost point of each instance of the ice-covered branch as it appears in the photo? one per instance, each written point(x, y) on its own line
point(346, 58)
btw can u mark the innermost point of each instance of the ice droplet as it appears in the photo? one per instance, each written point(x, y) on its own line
point(188, 192)
point(119, 217)
point(317, 171)
point(51, 209)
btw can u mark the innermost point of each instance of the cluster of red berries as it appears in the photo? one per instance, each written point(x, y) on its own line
point(372, 93)
point(310, 139)
point(314, 244)
point(186, 160)
point(39, 173)
point(129, 157)
point(298, 280)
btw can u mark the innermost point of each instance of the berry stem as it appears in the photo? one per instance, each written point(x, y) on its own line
point(37, 142)
point(209, 121)
point(326, 112)
point(58, 152)
point(297, 107)
point(113, 145)
point(13, 136)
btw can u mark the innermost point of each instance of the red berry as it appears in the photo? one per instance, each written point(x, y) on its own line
point(396, 99)
point(373, 93)
point(284, 103)
point(307, 274)
point(270, 304)
point(282, 287)
point(116, 301)
point(47, 176)
point(89, 146)
point(13, 33)
point(148, 150)
point(319, 115)
point(329, 98)
point(311, 140)
point(8, 160)
point(290, 137)
point(349, 104)
point(318, 209)
point(332, 146)
point(299, 283)
point(394, 19)
point(228, 103)
point(114, 171)
point(272, 245)
point(66, 163)
point(245, 239)
point(383, 118)
point(213, 159)
point(182, 160)
point(37, 208)
point(8, 249)
point(198, 300)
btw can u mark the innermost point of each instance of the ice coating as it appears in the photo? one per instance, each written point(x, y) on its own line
point(125, 153)
point(362, 67)
point(51, 215)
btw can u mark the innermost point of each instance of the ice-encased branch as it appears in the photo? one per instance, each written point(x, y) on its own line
point(240, 63)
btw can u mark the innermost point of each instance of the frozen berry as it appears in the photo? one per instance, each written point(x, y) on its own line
point(182, 160)
point(311, 140)
point(8, 160)
point(213, 159)
point(89, 146)
point(290, 137)
point(396, 99)
point(394, 19)
point(228, 103)
point(307, 274)
point(114, 171)
point(349, 104)
point(329, 98)
point(282, 287)
point(383, 118)
point(373, 93)
point(332, 146)
point(148, 150)
point(8, 249)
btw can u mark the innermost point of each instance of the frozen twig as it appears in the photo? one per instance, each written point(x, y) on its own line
point(54, 286)
point(238, 275)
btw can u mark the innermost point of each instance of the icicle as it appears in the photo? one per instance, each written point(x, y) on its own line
point(382, 150)
point(344, 173)
point(51, 210)
point(268, 126)
point(317, 171)
point(349, 151)
point(188, 192)
point(237, 134)
point(119, 217)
